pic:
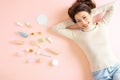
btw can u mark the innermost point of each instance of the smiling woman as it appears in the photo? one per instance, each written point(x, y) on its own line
point(92, 37)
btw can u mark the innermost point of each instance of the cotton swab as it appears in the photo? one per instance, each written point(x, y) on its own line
point(34, 43)
point(52, 51)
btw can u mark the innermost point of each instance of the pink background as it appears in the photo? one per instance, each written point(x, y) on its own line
point(72, 62)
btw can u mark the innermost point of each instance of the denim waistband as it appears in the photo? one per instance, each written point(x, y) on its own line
point(106, 73)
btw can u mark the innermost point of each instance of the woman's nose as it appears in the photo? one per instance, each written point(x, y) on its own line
point(84, 22)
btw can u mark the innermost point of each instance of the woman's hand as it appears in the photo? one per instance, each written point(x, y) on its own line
point(97, 18)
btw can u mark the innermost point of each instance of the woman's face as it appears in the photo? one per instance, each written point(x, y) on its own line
point(83, 19)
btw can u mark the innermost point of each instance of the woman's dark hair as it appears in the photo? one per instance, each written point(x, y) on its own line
point(90, 3)
point(80, 5)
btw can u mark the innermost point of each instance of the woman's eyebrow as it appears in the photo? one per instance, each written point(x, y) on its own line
point(78, 19)
point(83, 16)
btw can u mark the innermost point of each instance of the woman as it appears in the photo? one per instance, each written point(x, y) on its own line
point(92, 37)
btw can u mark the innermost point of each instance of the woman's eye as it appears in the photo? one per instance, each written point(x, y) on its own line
point(84, 17)
point(78, 20)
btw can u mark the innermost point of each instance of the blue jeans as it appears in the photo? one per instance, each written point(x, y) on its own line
point(109, 73)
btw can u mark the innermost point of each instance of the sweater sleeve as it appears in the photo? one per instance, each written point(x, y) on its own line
point(61, 28)
point(109, 9)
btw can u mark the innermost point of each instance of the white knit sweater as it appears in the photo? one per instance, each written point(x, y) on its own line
point(95, 43)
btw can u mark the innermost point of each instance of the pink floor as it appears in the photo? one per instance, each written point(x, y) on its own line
point(72, 63)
